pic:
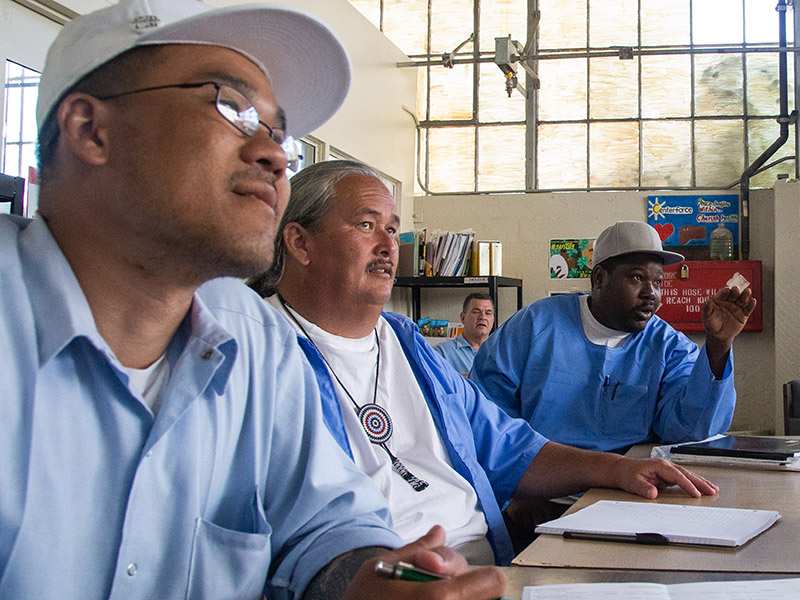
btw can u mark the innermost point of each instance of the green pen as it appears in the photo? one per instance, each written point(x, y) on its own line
point(407, 572)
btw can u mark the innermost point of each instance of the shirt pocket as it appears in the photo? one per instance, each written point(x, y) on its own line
point(228, 564)
point(625, 411)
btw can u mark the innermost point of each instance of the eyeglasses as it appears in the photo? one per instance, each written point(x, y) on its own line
point(237, 110)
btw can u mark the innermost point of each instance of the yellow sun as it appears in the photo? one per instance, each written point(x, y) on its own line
point(655, 209)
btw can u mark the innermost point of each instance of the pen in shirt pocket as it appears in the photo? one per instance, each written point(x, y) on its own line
point(407, 572)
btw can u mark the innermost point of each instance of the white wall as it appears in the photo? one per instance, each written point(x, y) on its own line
point(525, 223)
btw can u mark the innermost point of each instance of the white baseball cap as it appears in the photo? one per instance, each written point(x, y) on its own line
point(303, 59)
point(628, 237)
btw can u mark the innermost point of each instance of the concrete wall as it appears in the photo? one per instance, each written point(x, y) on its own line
point(525, 223)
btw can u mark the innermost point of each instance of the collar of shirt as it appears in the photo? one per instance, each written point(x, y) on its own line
point(461, 342)
point(62, 313)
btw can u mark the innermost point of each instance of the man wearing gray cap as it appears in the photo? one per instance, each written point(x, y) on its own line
point(161, 435)
point(602, 371)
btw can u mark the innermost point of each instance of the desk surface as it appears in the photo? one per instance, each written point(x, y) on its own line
point(551, 559)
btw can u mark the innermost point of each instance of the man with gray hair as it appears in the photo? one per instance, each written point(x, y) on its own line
point(438, 449)
point(603, 371)
point(161, 435)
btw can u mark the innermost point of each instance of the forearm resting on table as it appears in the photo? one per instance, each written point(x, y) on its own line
point(558, 470)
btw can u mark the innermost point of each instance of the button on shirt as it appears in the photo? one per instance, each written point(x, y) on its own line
point(100, 500)
point(458, 353)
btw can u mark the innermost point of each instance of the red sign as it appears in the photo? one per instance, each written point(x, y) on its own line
point(686, 286)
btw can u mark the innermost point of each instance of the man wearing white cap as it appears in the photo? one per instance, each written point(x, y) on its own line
point(161, 436)
point(603, 371)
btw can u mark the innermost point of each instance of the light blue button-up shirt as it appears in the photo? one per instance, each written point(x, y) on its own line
point(458, 353)
point(235, 482)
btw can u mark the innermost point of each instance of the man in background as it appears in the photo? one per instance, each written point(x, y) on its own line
point(477, 316)
point(603, 371)
point(436, 447)
point(161, 433)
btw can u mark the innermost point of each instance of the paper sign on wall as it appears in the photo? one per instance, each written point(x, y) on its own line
point(571, 259)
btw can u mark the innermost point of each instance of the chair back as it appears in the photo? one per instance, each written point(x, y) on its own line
point(791, 407)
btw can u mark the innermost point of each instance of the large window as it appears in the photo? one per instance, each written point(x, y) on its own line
point(19, 128)
point(634, 94)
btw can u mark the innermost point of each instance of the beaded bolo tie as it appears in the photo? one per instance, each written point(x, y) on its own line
point(374, 419)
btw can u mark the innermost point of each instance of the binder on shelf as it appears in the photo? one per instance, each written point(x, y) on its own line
point(480, 266)
point(495, 258)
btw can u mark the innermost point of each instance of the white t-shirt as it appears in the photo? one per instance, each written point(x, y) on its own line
point(597, 332)
point(150, 382)
point(449, 500)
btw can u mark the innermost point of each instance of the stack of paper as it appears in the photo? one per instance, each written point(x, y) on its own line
point(676, 523)
point(773, 589)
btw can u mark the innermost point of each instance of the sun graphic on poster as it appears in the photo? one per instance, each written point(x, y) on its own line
point(656, 208)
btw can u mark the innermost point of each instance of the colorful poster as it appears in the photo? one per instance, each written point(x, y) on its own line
point(685, 223)
point(571, 259)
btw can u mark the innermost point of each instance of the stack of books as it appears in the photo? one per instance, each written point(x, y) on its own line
point(438, 253)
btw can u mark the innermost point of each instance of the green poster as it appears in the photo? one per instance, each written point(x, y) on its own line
point(571, 259)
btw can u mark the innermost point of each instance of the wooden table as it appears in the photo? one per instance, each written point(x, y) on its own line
point(551, 559)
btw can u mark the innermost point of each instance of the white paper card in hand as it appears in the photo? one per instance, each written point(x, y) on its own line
point(739, 281)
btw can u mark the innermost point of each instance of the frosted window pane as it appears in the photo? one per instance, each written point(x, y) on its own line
point(421, 162)
point(370, 9)
point(451, 24)
point(422, 93)
point(613, 23)
point(561, 161)
point(762, 134)
point(494, 103)
point(719, 153)
point(29, 129)
point(13, 70)
point(501, 158)
point(614, 154)
point(666, 153)
point(763, 84)
point(718, 21)
point(501, 17)
point(451, 92)
point(405, 22)
point(13, 126)
point(718, 84)
point(613, 88)
point(11, 160)
point(562, 94)
point(563, 24)
point(28, 159)
point(666, 90)
point(665, 23)
point(761, 22)
point(452, 159)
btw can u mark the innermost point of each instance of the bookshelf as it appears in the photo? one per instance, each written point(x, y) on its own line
point(492, 282)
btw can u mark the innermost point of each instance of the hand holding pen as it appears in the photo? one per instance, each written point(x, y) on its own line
point(446, 574)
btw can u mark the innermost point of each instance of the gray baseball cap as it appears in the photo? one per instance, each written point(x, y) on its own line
point(304, 60)
point(629, 237)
